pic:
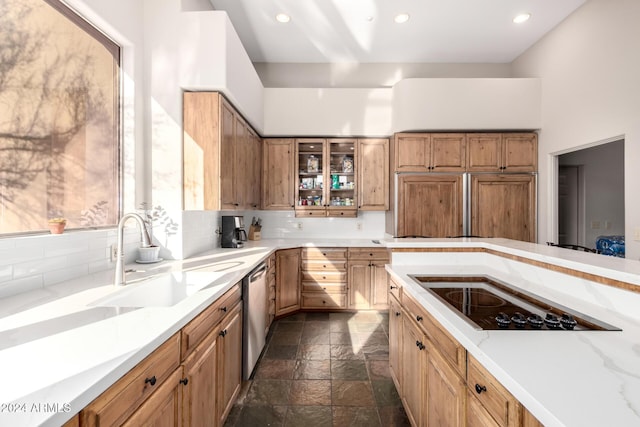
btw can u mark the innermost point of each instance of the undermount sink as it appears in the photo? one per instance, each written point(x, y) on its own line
point(161, 291)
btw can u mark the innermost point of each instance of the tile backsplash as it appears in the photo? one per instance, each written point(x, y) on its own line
point(34, 262)
point(199, 227)
point(37, 261)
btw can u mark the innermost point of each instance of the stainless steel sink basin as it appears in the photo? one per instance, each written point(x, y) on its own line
point(161, 291)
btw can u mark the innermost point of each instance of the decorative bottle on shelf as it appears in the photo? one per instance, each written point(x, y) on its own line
point(336, 183)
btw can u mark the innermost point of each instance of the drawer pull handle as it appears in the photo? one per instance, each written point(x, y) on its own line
point(394, 287)
point(419, 345)
point(184, 381)
point(151, 380)
point(419, 318)
point(223, 333)
point(480, 388)
point(397, 313)
point(223, 309)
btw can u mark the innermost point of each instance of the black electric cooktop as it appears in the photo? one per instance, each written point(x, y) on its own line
point(492, 305)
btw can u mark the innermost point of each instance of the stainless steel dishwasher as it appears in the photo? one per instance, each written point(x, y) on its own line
point(254, 325)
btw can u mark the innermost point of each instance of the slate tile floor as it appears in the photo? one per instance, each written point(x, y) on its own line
point(322, 369)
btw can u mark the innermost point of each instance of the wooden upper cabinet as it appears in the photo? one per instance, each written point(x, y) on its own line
point(502, 152)
point(520, 152)
point(504, 205)
point(218, 157)
point(231, 141)
point(429, 152)
point(448, 152)
point(278, 179)
point(429, 205)
point(253, 177)
point(373, 174)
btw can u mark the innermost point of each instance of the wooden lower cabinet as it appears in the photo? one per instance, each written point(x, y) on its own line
point(229, 363)
point(200, 372)
point(287, 281)
point(367, 279)
point(163, 408)
point(324, 278)
point(193, 387)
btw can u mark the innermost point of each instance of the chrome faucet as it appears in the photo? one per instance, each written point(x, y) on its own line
point(119, 279)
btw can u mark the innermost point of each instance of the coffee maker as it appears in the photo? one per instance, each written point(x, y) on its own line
point(233, 233)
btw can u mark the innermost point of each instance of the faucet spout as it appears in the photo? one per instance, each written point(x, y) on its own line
point(119, 279)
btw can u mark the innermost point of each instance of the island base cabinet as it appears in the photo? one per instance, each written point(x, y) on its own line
point(445, 393)
point(413, 359)
point(395, 340)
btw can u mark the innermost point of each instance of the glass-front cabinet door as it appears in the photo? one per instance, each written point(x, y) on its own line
point(326, 171)
point(341, 193)
point(310, 200)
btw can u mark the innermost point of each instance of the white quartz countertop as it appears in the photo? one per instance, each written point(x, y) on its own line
point(564, 378)
point(59, 351)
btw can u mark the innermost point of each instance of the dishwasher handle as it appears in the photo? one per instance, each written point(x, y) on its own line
point(259, 271)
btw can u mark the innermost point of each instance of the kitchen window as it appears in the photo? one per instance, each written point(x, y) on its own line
point(59, 119)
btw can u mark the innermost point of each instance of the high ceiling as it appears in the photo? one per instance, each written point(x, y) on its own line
point(438, 31)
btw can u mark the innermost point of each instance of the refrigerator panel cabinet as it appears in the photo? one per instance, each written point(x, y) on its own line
point(504, 205)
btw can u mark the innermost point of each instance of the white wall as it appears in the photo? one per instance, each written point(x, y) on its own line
point(327, 112)
point(589, 67)
point(195, 50)
point(460, 104)
point(370, 75)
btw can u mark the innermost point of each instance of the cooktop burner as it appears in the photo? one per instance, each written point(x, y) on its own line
point(489, 304)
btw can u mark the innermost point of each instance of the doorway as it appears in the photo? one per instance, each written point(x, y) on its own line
point(591, 194)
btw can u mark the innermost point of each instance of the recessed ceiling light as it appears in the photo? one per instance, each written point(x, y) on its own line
point(283, 17)
point(523, 17)
point(401, 18)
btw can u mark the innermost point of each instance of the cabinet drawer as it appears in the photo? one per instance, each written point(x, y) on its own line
point(326, 265)
point(368, 254)
point(324, 253)
point(324, 287)
point(301, 212)
point(394, 288)
point(195, 331)
point(324, 300)
point(498, 402)
point(342, 213)
point(448, 346)
point(123, 398)
point(324, 276)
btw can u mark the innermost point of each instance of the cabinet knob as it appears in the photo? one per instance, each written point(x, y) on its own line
point(151, 380)
point(394, 287)
point(223, 333)
point(480, 388)
point(223, 309)
point(184, 381)
point(397, 313)
point(419, 318)
point(341, 213)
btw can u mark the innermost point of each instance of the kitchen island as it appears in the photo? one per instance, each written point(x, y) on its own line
point(59, 349)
